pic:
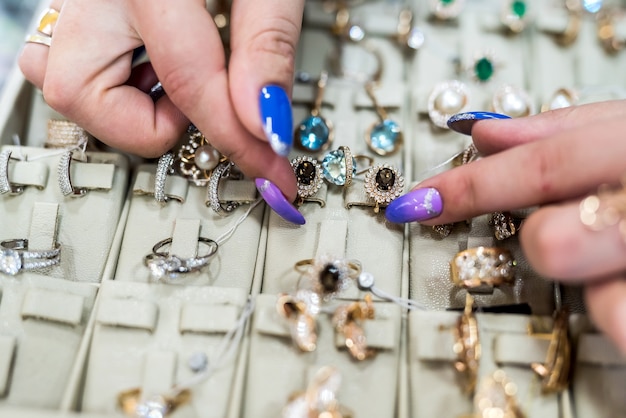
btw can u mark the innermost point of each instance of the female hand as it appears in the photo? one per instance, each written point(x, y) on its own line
point(84, 75)
point(553, 159)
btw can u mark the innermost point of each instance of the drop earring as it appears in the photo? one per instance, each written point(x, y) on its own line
point(315, 133)
point(384, 137)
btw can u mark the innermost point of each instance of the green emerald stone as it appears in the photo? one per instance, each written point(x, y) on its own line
point(519, 8)
point(447, 2)
point(483, 69)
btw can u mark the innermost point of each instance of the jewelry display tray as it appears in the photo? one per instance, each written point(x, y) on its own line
point(75, 336)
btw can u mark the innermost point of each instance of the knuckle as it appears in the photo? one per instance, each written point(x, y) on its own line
point(550, 251)
point(181, 84)
point(59, 94)
point(278, 37)
point(541, 162)
point(462, 197)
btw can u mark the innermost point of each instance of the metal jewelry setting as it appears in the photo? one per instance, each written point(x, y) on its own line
point(309, 176)
point(65, 179)
point(223, 170)
point(163, 265)
point(15, 257)
point(196, 159)
point(383, 183)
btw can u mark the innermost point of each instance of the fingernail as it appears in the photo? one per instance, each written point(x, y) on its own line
point(278, 202)
point(464, 122)
point(277, 118)
point(415, 206)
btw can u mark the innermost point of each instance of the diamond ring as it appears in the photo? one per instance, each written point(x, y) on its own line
point(475, 267)
point(15, 257)
point(169, 266)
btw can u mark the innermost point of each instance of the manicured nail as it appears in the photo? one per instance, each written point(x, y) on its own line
point(277, 118)
point(278, 202)
point(463, 122)
point(415, 206)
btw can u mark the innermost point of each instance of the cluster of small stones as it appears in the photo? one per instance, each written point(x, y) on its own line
point(330, 276)
point(63, 173)
point(5, 185)
point(383, 183)
point(222, 170)
point(485, 267)
point(10, 262)
point(503, 225)
point(308, 174)
point(155, 407)
point(163, 168)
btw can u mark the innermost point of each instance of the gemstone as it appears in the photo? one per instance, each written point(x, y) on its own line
point(10, 262)
point(206, 157)
point(161, 267)
point(385, 179)
point(447, 2)
point(305, 173)
point(446, 99)
point(313, 133)
point(592, 6)
point(385, 137)
point(416, 39)
point(334, 167)
point(329, 278)
point(518, 8)
point(483, 69)
point(154, 407)
point(356, 33)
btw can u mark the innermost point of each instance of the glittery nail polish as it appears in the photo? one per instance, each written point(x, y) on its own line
point(416, 206)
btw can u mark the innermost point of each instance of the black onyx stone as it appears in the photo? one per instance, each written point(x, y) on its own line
point(385, 179)
point(329, 278)
point(305, 173)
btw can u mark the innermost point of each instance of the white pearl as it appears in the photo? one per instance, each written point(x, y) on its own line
point(449, 101)
point(514, 105)
point(206, 157)
point(561, 101)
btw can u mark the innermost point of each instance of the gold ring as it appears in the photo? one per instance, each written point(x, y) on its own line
point(327, 275)
point(65, 134)
point(47, 21)
point(39, 39)
point(474, 267)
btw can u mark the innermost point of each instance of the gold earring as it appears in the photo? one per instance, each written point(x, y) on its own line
point(301, 320)
point(348, 320)
point(467, 345)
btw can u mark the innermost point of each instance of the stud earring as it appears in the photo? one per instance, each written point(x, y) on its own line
point(384, 137)
point(514, 15)
point(446, 9)
point(445, 100)
point(348, 320)
point(512, 101)
point(308, 175)
point(383, 183)
point(315, 133)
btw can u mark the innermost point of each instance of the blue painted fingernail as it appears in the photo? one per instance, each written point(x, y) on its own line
point(277, 118)
point(463, 122)
point(276, 200)
point(416, 206)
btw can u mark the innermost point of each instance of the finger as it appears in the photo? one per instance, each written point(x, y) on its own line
point(558, 245)
point(562, 167)
point(492, 136)
point(86, 75)
point(143, 77)
point(34, 57)
point(186, 53)
point(606, 302)
point(263, 43)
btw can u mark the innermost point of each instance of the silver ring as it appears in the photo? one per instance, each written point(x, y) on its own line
point(163, 265)
point(5, 184)
point(213, 199)
point(65, 180)
point(15, 257)
point(164, 167)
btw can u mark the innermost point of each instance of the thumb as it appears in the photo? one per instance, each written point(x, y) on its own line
point(264, 36)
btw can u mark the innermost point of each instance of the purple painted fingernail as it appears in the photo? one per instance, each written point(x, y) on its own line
point(278, 202)
point(415, 206)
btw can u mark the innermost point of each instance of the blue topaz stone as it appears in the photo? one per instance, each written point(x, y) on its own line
point(339, 167)
point(384, 138)
point(314, 133)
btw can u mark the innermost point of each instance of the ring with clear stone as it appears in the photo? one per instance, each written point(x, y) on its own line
point(5, 183)
point(479, 266)
point(15, 257)
point(65, 179)
point(223, 170)
point(163, 265)
point(164, 167)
